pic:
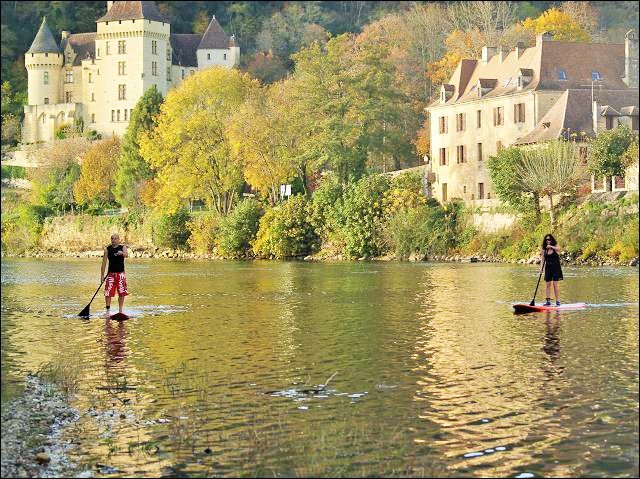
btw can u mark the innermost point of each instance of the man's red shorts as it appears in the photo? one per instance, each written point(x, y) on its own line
point(115, 282)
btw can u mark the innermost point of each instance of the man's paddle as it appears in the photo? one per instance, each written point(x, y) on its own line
point(85, 312)
point(533, 301)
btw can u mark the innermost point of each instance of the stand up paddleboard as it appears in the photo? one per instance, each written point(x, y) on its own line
point(119, 317)
point(527, 308)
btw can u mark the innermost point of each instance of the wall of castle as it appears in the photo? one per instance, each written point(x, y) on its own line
point(44, 77)
point(218, 57)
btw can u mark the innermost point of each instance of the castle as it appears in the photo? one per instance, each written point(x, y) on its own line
point(97, 78)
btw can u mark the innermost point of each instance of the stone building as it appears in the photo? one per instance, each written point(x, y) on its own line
point(525, 96)
point(97, 78)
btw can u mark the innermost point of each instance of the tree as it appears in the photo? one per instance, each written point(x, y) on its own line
point(459, 44)
point(266, 67)
point(549, 169)
point(189, 148)
point(502, 168)
point(607, 152)
point(584, 13)
point(98, 173)
point(132, 170)
point(491, 18)
point(560, 24)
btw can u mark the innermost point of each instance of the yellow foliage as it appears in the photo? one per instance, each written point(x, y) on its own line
point(397, 199)
point(558, 23)
point(98, 172)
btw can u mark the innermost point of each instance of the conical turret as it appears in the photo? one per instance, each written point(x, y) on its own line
point(44, 41)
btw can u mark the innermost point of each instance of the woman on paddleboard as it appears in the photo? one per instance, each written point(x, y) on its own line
point(551, 264)
point(115, 253)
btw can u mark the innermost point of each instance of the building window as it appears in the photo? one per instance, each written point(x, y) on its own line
point(479, 118)
point(154, 47)
point(46, 102)
point(480, 157)
point(443, 156)
point(444, 192)
point(93, 117)
point(595, 76)
point(113, 115)
point(169, 73)
point(518, 113)
point(498, 146)
point(183, 73)
point(68, 76)
point(464, 189)
point(108, 47)
point(154, 69)
point(122, 92)
point(460, 122)
point(608, 122)
point(93, 97)
point(67, 97)
point(168, 54)
point(126, 114)
point(481, 191)
point(224, 56)
point(634, 123)
point(122, 47)
point(118, 115)
point(562, 75)
point(90, 78)
point(461, 155)
point(208, 56)
point(498, 116)
point(121, 68)
point(46, 78)
point(443, 125)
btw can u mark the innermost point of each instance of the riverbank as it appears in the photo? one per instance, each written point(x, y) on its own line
point(32, 426)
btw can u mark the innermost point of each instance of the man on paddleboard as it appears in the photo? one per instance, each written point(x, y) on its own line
point(552, 270)
point(115, 253)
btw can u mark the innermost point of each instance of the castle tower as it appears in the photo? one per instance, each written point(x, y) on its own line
point(44, 63)
point(133, 48)
point(216, 48)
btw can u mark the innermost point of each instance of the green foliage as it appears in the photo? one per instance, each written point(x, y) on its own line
point(239, 229)
point(502, 168)
point(132, 169)
point(21, 230)
point(607, 152)
point(285, 230)
point(171, 231)
point(326, 205)
point(204, 229)
point(360, 215)
point(55, 190)
point(12, 172)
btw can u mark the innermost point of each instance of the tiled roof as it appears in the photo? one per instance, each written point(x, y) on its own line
point(572, 113)
point(607, 110)
point(184, 46)
point(214, 37)
point(44, 41)
point(542, 63)
point(629, 111)
point(487, 82)
point(84, 45)
point(131, 11)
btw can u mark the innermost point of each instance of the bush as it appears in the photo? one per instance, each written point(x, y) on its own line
point(361, 215)
point(286, 231)
point(21, 230)
point(239, 228)
point(324, 209)
point(171, 231)
point(11, 172)
point(204, 229)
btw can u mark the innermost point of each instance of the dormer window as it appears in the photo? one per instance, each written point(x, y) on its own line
point(595, 76)
point(562, 75)
point(446, 92)
point(525, 75)
point(520, 83)
point(506, 82)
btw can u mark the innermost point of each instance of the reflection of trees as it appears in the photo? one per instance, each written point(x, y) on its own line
point(475, 383)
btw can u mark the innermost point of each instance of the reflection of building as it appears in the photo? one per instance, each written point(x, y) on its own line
point(500, 99)
point(99, 77)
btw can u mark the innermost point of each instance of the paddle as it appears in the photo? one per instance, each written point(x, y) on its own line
point(85, 312)
point(533, 301)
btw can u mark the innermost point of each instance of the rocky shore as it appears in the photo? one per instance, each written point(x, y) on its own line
point(32, 426)
point(158, 253)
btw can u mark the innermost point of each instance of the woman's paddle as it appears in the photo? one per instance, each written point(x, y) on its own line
point(85, 312)
point(533, 301)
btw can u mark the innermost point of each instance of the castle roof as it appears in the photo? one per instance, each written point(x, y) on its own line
point(83, 44)
point(133, 11)
point(44, 41)
point(184, 46)
point(214, 37)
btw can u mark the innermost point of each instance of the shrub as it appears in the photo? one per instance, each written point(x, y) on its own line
point(324, 209)
point(11, 172)
point(239, 228)
point(286, 231)
point(21, 230)
point(204, 229)
point(170, 231)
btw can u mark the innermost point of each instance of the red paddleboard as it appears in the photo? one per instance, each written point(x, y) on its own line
point(119, 317)
point(527, 308)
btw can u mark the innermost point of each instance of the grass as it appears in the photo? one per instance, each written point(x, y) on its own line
point(63, 372)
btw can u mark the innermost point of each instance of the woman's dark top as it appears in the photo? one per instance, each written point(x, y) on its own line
point(116, 263)
point(552, 269)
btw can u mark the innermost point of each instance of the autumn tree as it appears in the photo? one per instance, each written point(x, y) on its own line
point(266, 67)
point(607, 154)
point(189, 148)
point(584, 13)
point(560, 24)
point(98, 173)
point(133, 172)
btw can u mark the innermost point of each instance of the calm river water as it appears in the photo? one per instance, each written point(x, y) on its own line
point(434, 375)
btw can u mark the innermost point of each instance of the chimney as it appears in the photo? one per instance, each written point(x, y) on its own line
point(519, 50)
point(631, 59)
point(109, 5)
point(64, 35)
point(502, 54)
point(488, 53)
point(544, 37)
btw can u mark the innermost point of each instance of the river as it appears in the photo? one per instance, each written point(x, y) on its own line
point(431, 372)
